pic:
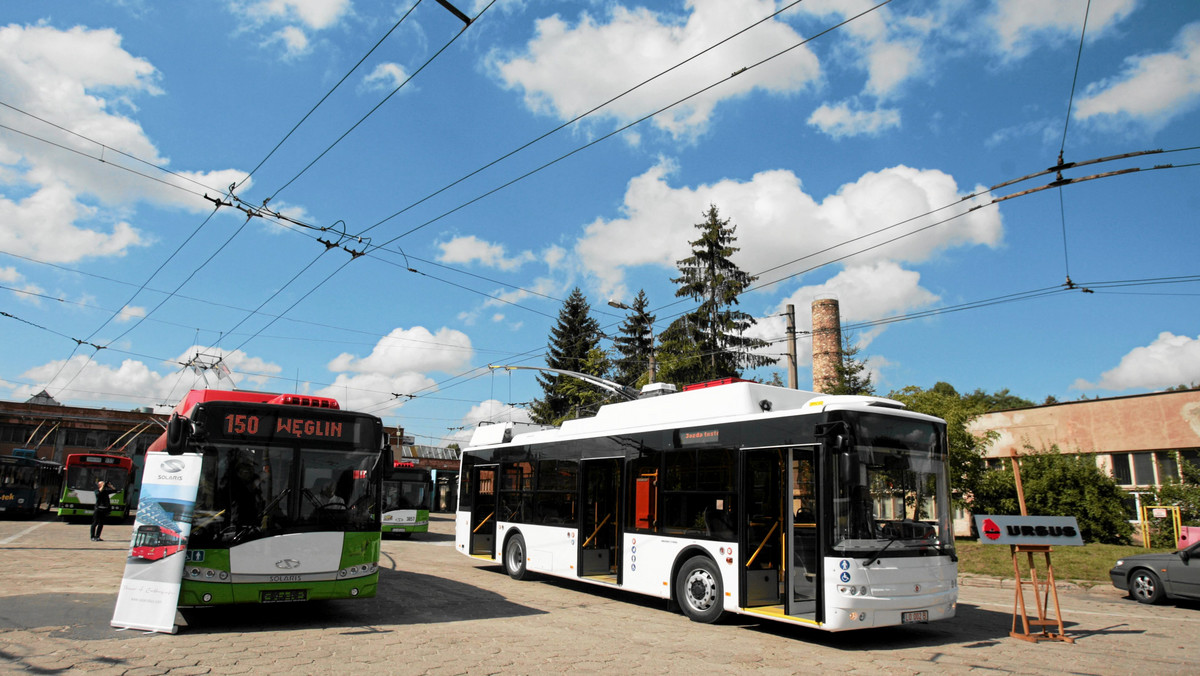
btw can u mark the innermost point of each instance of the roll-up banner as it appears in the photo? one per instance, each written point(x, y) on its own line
point(149, 591)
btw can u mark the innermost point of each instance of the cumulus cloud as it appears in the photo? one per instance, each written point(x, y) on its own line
point(884, 43)
point(1168, 361)
point(1019, 26)
point(782, 230)
point(26, 291)
point(414, 350)
point(386, 76)
point(840, 121)
point(491, 411)
point(471, 249)
point(289, 23)
point(137, 382)
point(62, 206)
point(632, 45)
point(1152, 89)
point(130, 312)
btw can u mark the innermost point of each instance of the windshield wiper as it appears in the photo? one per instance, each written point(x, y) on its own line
point(876, 555)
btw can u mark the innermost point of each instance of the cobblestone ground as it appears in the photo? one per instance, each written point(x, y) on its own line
point(439, 612)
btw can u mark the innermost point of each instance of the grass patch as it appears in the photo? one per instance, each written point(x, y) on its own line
point(1089, 563)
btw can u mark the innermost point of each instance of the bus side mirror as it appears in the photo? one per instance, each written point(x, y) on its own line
point(176, 435)
point(845, 464)
point(388, 459)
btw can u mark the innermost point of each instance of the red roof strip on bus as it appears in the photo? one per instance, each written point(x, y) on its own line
point(715, 383)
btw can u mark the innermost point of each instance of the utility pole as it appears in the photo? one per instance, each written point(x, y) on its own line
point(791, 346)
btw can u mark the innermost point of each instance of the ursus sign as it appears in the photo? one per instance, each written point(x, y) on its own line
point(1028, 530)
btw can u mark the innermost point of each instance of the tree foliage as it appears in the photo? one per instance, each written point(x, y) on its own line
point(634, 344)
point(572, 340)
point(966, 463)
point(1057, 484)
point(710, 277)
point(852, 374)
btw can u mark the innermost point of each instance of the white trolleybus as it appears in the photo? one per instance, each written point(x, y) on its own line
point(288, 505)
point(732, 496)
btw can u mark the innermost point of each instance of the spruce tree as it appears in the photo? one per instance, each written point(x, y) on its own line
point(635, 344)
point(712, 279)
point(573, 337)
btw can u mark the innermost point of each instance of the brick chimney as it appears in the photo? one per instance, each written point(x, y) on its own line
point(826, 343)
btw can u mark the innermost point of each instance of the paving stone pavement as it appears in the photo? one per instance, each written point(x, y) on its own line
point(439, 612)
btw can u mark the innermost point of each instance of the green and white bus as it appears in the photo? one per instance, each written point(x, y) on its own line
point(81, 473)
point(407, 493)
point(288, 504)
point(825, 511)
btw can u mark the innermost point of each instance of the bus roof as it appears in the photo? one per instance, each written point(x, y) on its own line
point(699, 405)
point(200, 396)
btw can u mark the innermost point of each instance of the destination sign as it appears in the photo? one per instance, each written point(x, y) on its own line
point(260, 425)
point(702, 437)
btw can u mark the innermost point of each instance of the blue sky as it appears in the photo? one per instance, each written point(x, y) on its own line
point(854, 163)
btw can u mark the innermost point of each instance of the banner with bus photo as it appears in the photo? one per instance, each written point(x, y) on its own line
point(157, 549)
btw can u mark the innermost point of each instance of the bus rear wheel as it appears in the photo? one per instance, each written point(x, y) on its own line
point(514, 558)
point(698, 590)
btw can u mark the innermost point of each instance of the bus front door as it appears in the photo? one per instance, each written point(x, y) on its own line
point(483, 510)
point(804, 572)
point(600, 533)
point(779, 534)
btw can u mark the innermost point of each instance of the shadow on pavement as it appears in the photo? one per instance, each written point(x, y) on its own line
point(403, 598)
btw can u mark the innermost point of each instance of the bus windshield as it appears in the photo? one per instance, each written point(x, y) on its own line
point(84, 477)
point(248, 492)
point(890, 487)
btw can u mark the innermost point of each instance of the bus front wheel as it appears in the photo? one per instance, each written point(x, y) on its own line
point(514, 557)
point(698, 590)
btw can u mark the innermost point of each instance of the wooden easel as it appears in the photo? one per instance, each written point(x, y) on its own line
point(1040, 596)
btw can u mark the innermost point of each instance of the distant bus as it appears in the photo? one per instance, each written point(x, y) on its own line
point(407, 494)
point(156, 542)
point(28, 486)
point(288, 505)
point(81, 472)
point(825, 511)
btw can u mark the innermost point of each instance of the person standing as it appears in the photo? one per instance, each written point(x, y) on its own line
point(103, 506)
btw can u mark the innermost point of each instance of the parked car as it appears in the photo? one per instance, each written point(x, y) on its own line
point(1150, 578)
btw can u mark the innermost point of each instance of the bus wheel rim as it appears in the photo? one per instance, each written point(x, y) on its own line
point(701, 589)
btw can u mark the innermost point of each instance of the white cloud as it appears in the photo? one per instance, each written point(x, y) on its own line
point(316, 14)
point(386, 76)
point(373, 392)
point(1019, 26)
point(406, 351)
point(1152, 89)
point(130, 312)
point(780, 226)
point(294, 41)
point(840, 121)
point(491, 411)
point(471, 249)
point(62, 206)
point(1168, 361)
point(886, 44)
point(27, 292)
point(632, 45)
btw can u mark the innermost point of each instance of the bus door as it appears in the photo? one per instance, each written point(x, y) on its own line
point(804, 573)
point(483, 510)
point(599, 532)
point(779, 535)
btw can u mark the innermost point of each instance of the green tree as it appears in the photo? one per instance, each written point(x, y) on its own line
point(1058, 484)
point(572, 339)
point(852, 374)
point(678, 358)
point(966, 463)
point(710, 277)
point(1001, 400)
point(635, 344)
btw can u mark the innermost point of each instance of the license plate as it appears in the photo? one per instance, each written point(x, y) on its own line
point(914, 616)
point(283, 595)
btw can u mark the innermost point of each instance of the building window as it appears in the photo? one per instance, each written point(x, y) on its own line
point(1143, 469)
point(1120, 469)
point(1168, 469)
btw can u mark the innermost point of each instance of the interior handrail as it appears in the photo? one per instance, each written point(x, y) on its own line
point(597, 531)
point(485, 520)
point(762, 544)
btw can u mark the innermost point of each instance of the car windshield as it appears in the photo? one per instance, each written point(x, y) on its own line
point(891, 489)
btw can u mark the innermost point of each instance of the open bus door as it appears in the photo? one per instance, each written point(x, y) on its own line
point(600, 532)
point(779, 532)
point(483, 510)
